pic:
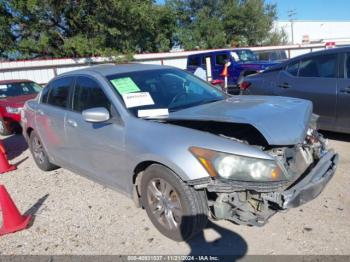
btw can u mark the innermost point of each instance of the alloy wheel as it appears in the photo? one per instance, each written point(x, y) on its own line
point(164, 203)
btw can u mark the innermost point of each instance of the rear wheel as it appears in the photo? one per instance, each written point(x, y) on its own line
point(39, 153)
point(175, 209)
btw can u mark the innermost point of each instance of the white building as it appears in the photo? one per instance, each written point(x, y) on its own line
point(300, 31)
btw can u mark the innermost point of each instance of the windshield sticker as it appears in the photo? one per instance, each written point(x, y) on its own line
point(137, 99)
point(125, 85)
point(153, 112)
point(3, 87)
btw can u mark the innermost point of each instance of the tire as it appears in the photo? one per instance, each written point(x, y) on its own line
point(39, 154)
point(177, 210)
point(4, 129)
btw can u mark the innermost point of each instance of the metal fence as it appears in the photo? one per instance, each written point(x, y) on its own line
point(42, 70)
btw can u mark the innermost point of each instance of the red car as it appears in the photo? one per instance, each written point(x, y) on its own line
point(13, 94)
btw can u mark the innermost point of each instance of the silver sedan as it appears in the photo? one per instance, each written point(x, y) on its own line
point(183, 150)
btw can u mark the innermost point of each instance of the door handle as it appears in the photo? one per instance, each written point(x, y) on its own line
point(284, 85)
point(41, 112)
point(345, 90)
point(72, 123)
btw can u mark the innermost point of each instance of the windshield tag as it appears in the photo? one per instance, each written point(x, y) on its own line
point(153, 112)
point(125, 85)
point(137, 99)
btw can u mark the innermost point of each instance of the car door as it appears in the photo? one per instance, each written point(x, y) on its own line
point(95, 149)
point(50, 118)
point(313, 78)
point(343, 105)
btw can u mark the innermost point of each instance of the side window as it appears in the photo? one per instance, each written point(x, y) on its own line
point(221, 59)
point(204, 58)
point(263, 56)
point(274, 55)
point(193, 61)
point(88, 94)
point(59, 92)
point(347, 66)
point(293, 68)
point(45, 94)
point(320, 66)
point(283, 55)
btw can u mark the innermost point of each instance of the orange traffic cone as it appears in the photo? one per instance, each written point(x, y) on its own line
point(4, 163)
point(224, 72)
point(12, 220)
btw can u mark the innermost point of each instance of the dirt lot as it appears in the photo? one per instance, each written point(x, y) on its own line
point(76, 216)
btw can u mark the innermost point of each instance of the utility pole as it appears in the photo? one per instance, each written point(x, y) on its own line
point(291, 15)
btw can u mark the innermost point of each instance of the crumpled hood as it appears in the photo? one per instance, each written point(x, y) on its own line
point(281, 120)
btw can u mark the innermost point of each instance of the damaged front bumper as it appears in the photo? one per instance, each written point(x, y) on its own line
point(312, 184)
point(244, 203)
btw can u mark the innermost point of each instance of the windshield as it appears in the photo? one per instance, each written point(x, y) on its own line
point(168, 89)
point(243, 55)
point(18, 89)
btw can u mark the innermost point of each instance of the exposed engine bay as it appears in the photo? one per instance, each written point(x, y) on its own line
point(252, 203)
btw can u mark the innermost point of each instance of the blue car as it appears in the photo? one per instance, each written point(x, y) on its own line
point(243, 62)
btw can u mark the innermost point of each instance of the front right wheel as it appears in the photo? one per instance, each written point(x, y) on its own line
point(177, 210)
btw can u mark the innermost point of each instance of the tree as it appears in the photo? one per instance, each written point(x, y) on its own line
point(7, 38)
point(221, 23)
point(276, 37)
point(75, 28)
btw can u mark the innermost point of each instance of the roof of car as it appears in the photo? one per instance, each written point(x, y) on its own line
point(111, 69)
point(324, 52)
point(218, 51)
point(12, 81)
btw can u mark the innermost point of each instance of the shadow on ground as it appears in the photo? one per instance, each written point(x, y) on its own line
point(15, 145)
point(336, 136)
point(35, 208)
point(230, 246)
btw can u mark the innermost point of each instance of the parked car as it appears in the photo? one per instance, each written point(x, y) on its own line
point(271, 55)
point(322, 77)
point(243, 62)
point(180, 148)
point(13, 94)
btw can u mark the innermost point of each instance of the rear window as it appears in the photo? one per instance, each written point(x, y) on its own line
point(347, 65)
point(193, 61)
point(59, 92)
point(221, 59)
point(293, 68)
point(263, 56)
point(19, 89)
point(204, 60)
point(320, 66)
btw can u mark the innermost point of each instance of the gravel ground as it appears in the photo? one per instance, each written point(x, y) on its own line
point(76, 216)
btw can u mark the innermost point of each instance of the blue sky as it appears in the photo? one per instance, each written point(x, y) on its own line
point(312, 9)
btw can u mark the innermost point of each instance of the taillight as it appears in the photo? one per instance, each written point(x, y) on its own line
point(217, 82)
point(244, 85)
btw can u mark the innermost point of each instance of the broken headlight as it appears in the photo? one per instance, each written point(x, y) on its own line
point(237, 167)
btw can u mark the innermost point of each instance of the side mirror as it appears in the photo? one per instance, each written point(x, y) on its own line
point(96, 115)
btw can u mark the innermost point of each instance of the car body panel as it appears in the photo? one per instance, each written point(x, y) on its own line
point(321, 91)
point(330, 96)
point(112, 152)
point(234, 70)
point(343, 105)
point(12, 119)
point(267, 114)
point(50, 126)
